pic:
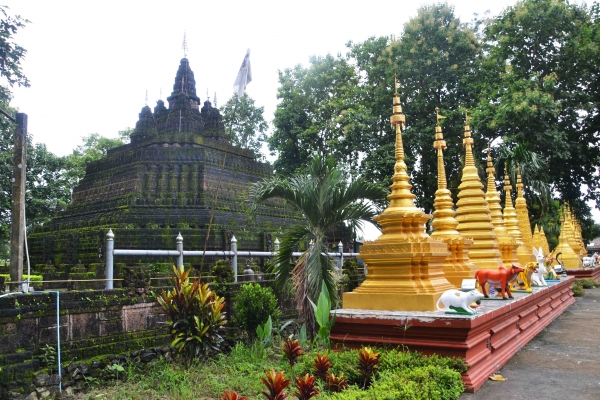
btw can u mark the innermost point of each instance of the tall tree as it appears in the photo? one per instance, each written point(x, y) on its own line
point(245, 124)
point(309, 119)
point(325, 199)
point(537, 89)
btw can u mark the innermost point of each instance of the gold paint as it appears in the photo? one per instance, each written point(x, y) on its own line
point(404, 264)
point(525, 251)
point(508, 244)
point(472, 212)
point(569, 258)
point(457, 265)
point(544, 241)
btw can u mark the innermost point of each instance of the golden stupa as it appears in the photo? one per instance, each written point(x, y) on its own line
point(568, 257)
point(583, 251)
point(457, 265)
point(510, 214)
point(508, 244)
point(404, 263)
point(537, 239)
point(544, 241)
point(473, 215)
point(569, 227)
point(525, 250)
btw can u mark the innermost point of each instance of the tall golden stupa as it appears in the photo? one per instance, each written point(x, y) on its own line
point(544, 241)
point(457, 265)
point(472, 212)
point(510, 214)
point(568, 257)
point(569, 226)
point(537, 238)
point(525, 251)
point(508, 244)
point(404, 263)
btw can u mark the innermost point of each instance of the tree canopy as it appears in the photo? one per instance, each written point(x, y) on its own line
point(245, 124)
point(528, 76)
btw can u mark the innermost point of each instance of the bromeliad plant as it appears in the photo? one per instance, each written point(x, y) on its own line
point(368, 361)
point(336, 383)
point(276, 383)
point(196, 317)
point(292, 350)
point(322, 365)
point(305, 387)
point(227, 395)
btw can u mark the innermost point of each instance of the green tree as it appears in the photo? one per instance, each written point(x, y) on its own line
point(309, 119)
point(245, 124)
point(11, 53)
point(538, 88)
point(325, 199)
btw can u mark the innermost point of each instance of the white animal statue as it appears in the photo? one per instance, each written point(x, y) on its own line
point(537, 278)
point(458, 300)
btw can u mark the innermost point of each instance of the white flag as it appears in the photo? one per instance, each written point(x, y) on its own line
point(244, 77)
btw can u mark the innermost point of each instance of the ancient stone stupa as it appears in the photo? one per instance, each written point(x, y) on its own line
point(162, 183)
point(404, 263)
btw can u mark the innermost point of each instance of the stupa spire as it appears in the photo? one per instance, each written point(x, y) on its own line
point(457, 265)
point(510, 214)
point(568, 257)
point(405, 264)
point(473, 214)
point(525, 251)
point(508, 245)
point(544, 241)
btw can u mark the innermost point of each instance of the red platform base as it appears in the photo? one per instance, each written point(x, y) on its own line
point(486, 341)
point(593, 273)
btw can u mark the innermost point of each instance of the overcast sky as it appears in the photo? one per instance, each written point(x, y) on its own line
point(90, 63)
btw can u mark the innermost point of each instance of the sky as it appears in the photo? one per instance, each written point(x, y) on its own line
point(91, 63)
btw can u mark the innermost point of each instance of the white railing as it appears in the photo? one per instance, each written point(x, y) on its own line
point(111, 252)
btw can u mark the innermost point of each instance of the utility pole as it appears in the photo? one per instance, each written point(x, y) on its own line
point(17, 217)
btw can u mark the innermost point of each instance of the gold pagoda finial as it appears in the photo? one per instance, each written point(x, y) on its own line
point(184, 45)
point(146, 99)
point(519, 181)
point(490, 170)
point(468, 142)
point(440, 144)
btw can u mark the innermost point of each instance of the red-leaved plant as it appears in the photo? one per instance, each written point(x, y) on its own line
point(276, 383)
point(227, 395)
point(368, 361)
point(292, 350)
point(322, 365)
point(336, 383)
point(305, 386)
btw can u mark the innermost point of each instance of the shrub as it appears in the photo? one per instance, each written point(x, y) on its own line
point(253, 306)
point(196, 316)
point(305, 386)
point(350, 274)
point(587, 283)
point(276, 383)
point(292, 350)
point(222, 273)
point(368, 361)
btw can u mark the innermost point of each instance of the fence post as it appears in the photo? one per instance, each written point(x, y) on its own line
point(276, 247)
point(179, 248)
point(340, 260)
point(234, 259)
point(110, 246)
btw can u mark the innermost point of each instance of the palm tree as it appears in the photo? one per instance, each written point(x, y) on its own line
point(325, 199)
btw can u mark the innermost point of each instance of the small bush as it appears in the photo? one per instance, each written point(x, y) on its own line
point(222, 273)
point(587, 283)
point(196, 316)
point(253, 305)
point(578, 290)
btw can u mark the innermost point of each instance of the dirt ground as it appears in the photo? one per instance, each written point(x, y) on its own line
point(562, 362)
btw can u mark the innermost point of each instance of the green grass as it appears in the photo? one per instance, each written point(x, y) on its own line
point(242, 369)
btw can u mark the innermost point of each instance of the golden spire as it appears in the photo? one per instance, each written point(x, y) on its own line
point(473, 215)
point(568, 257)
point(523, 216)
point(510, 214)
point(405, 264)
point(457, 265)
point(569, 226)
point(544, 241)
point(508, 245)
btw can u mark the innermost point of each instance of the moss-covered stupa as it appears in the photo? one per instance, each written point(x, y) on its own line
point(162, 183)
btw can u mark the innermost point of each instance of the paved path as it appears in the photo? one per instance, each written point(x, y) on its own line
point(562, 362)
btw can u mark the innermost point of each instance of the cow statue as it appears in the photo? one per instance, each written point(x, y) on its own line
point(501, 277)
point(455, 300)
point(538, 276)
